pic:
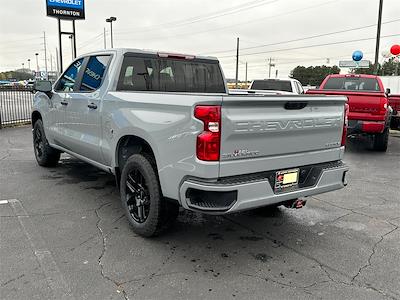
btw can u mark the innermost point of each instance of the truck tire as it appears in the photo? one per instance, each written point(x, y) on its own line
point(394, 124)
point(381, 141)
point(147, 211)
point(46, 156)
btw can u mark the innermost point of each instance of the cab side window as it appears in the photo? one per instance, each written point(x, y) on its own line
point(67, 81)
point(94, 73)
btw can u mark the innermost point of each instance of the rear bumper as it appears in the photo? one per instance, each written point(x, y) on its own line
point(360, 126)
point(229, 195)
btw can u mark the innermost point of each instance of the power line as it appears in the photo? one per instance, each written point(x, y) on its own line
point(205, 17)
point(311, 46)
point(251, 21)
point(305, 38)
point(21, 40)
point(91, 40)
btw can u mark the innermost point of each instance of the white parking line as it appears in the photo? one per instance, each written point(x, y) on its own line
point(47, 263)
point(3, 202)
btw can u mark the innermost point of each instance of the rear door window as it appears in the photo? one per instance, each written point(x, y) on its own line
point(170, 75)
point(94, 73)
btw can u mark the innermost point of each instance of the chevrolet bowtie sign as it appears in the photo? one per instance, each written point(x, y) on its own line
point(66, 9)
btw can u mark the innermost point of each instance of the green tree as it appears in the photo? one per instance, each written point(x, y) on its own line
point(390, 67)
point(313, 75)
point(18, 75)
point(368, 71)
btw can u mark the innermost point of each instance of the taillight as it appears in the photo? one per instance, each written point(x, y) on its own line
point(209, 141)
point(346, 123)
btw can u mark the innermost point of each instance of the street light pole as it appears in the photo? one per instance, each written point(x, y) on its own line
point(111, 20)
point(378, 36)
point(72, 46)
point(37, 62)
point(29, 64)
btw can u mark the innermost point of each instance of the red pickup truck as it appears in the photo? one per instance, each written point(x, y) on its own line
point(369, 110)
point(394, 102)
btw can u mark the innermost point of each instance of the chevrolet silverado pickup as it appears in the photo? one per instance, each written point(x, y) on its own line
point(394, 102)
point(166, 127)
point(369, 110)
point(392, 85)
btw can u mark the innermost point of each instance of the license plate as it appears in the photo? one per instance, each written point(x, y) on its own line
point(286, 179)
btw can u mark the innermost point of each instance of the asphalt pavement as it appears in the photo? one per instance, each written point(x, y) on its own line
point(63, 235)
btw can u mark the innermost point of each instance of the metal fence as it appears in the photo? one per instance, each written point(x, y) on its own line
point(15, 105)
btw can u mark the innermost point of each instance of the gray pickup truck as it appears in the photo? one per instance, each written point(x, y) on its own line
point(166, 127)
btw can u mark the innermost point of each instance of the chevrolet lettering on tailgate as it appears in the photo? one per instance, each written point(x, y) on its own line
point(287, 125)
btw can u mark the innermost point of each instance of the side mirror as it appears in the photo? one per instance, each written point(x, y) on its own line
point(44, 86)
point(387, 92)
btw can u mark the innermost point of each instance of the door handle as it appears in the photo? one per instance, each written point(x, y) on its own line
point(92, 106)
point(64, 103)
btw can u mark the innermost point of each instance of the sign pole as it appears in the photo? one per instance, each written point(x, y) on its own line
point(74, 36)
point(60, 45)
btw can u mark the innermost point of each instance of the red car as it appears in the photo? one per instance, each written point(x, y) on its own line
point(394, 102)
point(369, 110)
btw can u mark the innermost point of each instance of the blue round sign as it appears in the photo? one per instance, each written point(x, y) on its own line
point(358, 55)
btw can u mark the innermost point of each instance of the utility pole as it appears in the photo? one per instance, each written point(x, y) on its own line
point(246, 75)
point(378, 36)
point(45, 54)
point(276, 73)
point(51, 62)
point(270, 65)
point(104, 36)
point(237, 63)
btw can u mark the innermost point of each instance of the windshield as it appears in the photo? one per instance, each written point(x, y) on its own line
point(352, 84)
point(272, 85)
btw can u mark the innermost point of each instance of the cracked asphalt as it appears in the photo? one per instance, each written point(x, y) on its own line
point(63, 235)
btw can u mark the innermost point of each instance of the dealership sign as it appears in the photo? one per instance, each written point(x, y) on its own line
point(66, 9)
point(354, 64)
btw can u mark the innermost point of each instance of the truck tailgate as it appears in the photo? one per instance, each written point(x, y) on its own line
point(362, 105)
point(277, 132)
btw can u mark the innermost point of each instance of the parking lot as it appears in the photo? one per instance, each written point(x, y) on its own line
point(63, 235)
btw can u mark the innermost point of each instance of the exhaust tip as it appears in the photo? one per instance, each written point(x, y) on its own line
point(344, 179)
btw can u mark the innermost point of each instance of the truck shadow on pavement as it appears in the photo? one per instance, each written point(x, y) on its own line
point(264, 245)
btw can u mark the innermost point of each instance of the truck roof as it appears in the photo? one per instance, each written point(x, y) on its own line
point(122, 51)
point(352, 75)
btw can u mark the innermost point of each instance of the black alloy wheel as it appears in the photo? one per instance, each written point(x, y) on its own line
point(38, 143)
point(137, 196)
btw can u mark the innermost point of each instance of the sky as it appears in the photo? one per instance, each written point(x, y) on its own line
point(289, 32)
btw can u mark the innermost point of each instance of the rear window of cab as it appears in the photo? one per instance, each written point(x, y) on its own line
point(352, 84)
point(170, 75)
